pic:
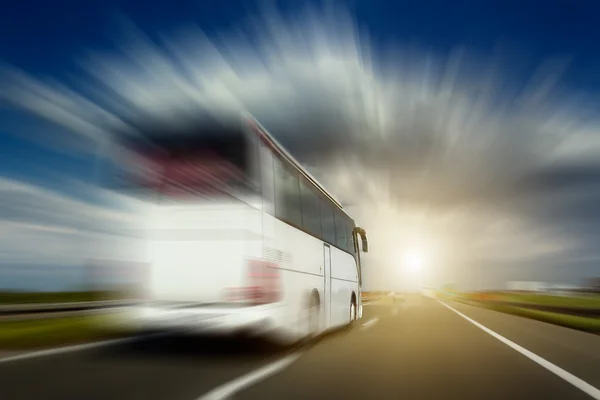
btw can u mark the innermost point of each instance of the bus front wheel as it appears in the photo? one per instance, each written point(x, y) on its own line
point(352, 310)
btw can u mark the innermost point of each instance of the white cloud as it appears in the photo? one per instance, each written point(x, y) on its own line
point(39, 226)
point(450, 132)
point(20, 201)
point(58, 104)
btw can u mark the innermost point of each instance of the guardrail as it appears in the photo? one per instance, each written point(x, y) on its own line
point(76, 305)
point(20, 312)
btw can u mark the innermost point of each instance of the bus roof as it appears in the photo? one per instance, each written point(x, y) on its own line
point(282, 151)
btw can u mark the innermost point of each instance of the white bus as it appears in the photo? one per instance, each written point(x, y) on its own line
point(237, 236)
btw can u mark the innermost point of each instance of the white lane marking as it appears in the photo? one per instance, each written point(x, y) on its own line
point(375, 303)
point(370, 323)
point(60, 350)
point(244, 381)
point(567, 376)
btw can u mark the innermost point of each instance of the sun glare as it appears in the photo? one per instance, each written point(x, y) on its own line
point(413, 263)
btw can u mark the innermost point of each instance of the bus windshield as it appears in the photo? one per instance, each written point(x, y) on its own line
point(208, 163)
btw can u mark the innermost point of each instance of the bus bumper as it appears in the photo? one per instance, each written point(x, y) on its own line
point(256, 320)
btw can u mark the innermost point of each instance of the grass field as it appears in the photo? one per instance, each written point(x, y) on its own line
point(592, 301)
point(582, 301)
point(570, 321)
point(33, 334)
point(56, 297)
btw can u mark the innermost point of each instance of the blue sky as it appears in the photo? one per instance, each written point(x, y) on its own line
point(47, 41)
point(45, 37)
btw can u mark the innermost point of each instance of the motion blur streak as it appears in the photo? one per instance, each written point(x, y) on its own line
point(447, 152)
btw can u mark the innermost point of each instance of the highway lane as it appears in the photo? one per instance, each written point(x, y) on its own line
point(161, 368)
point(421, 351)
point(418, 350)
point(575, 351)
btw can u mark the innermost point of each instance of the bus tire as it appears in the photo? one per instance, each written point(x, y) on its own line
point(314, 308)
point(353, 310)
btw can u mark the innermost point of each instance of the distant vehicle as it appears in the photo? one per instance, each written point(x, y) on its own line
point(397, 296)
point(237, 236)
point(428, 291)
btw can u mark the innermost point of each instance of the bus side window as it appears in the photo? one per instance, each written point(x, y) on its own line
point(287, 194)
point(350, 237)
point(340, 231)
point(311, 219)
point(267, 180)
point(327, 221)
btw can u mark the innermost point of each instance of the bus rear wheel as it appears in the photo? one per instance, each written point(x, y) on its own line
point(352, 311)
point(313, 316)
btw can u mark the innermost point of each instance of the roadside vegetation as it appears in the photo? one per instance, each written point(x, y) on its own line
point(43, 333)
point(57, 297)
point(48, 332)
point(582, 300)
point(586, 324)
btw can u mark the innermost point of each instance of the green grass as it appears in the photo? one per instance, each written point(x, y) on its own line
point(570, 321)
point(592, 301)
point(56, 297)
point(52, 332)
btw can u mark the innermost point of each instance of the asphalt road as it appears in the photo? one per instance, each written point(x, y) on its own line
point(417, 350)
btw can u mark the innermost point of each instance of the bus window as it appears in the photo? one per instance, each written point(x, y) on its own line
point(350, 237)
point(287, 194)
point(267, 179)
point(327, 221)
point(340, 231)
point(201, 162)
point(311, 219)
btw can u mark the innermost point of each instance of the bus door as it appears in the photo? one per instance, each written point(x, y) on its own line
point(327, 284)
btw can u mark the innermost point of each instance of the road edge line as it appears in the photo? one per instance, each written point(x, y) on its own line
point(555, 369)
point(370, 323)
point(60, 350)
point(230, 388)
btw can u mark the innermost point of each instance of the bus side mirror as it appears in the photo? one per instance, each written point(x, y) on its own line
point(365, 244)
point(363, 237)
